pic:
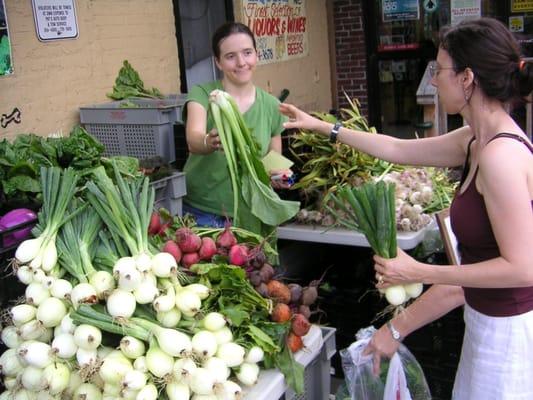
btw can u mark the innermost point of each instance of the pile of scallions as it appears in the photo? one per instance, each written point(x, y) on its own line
point(107, 316)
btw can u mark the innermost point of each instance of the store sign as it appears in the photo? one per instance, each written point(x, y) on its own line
point(280, 28)
point(464, 9)
point(521, 5)
point(6, 60)
point(431, 5)
point(516, 23)
point(55, 19)
point(400, 10)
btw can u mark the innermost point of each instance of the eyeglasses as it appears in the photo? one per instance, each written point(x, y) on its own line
point(434, 68)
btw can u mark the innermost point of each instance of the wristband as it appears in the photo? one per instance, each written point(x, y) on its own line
point(334, 132)
point(394, 332)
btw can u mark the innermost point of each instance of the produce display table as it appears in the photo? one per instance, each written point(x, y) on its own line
point(319, 347)
point(321, 234)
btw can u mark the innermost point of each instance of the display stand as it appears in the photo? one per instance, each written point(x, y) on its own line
point(321, 234)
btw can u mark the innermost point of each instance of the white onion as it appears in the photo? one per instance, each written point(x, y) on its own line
point(202, 381)
point(64, 346)
point(134, 380)
point(146, 292)
point(39, 276)
point(231, 353)
point(114, 368)
point(231, 391)
point(177, 391)
point(87, 337)
point(61, 289)
point(132, 347)
point(254, 355)
point(169, 319)
point(31, 330)
point(22, 313)
point(10, 383)
point(10, 337)
point(164, 265)
point(51, 311)
point(200, 290)
point(32, 378)
point(28, 250)
point(166, 301)
point(214, 321)
point(73, 383)
point(24, 394)
point(49, 260)
point(36, 353)
point(129, 279)
point(172, 342)
point(158, 362)
point(413, 290)
point(140, 364)
point(183, 368)
point(121, 304)
point(46, 335)
point(124, 263)
point(223, 335)
point(188, 302)
point(56, 377)
point(204, 344)
point(143, 262)
point(83, 293)
point(67, 324)
point(86, 357)
point(219, 369)
point(87, 391)
point(149, 392)
point(395, 295)
point(248, 374)
point(25, 274)
point(103, 283)
point(36, 293)
point(10, 364)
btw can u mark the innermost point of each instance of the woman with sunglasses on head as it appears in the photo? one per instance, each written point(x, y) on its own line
point(209, 192)
point(478, 74)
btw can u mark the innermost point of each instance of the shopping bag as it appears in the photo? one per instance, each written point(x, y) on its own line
point(400, 378)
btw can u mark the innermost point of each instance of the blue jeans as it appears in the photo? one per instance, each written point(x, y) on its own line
point(204, 218)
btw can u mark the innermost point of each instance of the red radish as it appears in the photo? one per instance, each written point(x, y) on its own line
point(208, 249)
point(189, 259)
point(226, 239)
point(163, 230)
point(279, 292)
point(155, 223)
point(171, 247)
point(281, 313)
point(238, 254)
point(294, 342)
point(187, 240)
point(300, 325)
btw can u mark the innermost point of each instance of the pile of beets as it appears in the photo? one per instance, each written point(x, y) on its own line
point(292, 302)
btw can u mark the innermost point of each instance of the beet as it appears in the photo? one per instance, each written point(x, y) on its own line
point(256, 257)
point(163, 230)
point(294, 342)
point(155, 223)
point(226, 239)
point(309, 295)
point(262, 289)
point(255, 278)
point(296, 292)
point(189, 259)
point(267, 272)
point(238, 254)
point(208, 249)
point(305, 311)
point(281, 313)
point(172, 247)
point(279, 292)
point(300, 325)
point(187, 240)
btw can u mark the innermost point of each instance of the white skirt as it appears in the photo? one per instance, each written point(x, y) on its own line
point(496, 359)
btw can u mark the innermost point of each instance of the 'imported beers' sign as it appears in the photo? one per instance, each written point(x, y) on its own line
point(280, 28)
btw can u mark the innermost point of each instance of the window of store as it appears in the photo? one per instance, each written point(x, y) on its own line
point(402, 38)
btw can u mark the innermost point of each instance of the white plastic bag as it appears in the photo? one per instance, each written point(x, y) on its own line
point(400, 379)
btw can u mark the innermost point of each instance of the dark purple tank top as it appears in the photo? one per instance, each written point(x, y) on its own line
point(471, 225)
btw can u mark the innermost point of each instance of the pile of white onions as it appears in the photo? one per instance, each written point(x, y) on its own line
point(50, 356)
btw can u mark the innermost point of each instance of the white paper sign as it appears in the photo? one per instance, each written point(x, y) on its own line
point(55, 19)
point(464, 9)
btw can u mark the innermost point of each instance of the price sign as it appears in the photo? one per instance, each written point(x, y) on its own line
point(55, 19)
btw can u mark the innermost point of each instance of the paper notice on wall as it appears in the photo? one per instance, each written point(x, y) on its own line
point(280, 28)
point(461, 10)
point(55, 19)
point(521, 5)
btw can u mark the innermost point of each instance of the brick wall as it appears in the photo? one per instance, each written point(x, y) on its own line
point(350, 52)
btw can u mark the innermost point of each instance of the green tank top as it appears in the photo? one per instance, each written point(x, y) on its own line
point(208, 182)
